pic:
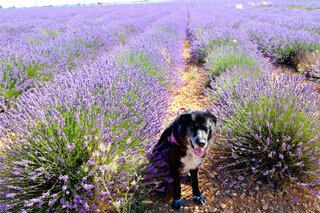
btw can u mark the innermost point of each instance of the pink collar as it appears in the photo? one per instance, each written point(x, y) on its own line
point(180, 110)
point(172, 139)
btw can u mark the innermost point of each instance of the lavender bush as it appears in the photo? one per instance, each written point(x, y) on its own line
point(269, 127)
point(76, 130)
point(47, 159)
point(227, 57)
point(207, 44)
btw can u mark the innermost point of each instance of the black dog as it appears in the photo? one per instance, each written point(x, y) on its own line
point(187, 140)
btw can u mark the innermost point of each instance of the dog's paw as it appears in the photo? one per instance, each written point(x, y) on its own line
point(201, 200)
point(177, 205)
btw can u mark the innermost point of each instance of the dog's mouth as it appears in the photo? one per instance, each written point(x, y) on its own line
point(198, 151)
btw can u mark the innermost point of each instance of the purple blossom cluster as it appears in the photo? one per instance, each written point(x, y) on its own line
point(82, 140)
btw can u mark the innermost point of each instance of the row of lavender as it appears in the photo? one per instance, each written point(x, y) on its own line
point(81, 141)
point(269, 122)
point(282, 34)
point(218, 44)
point(285, 34)
point(42, 42)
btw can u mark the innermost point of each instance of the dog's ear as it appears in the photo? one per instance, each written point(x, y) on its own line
point(183, 122)
point(212, 116)
point(184, 118)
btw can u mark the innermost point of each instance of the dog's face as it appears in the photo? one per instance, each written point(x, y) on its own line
point(199, 127)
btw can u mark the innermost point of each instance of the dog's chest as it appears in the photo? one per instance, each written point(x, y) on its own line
point(190, 161)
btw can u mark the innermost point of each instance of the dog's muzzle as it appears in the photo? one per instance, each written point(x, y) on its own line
point(199, 148)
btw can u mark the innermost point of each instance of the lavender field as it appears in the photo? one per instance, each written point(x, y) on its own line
point(85, 92)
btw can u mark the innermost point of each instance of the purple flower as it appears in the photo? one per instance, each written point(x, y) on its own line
point(70, 147)
point(11, 195)
point(253, 170)
point(300, 164)
point(47, 175)
point(63, 177)
point(88, 187)
point(59, 158)
point(42, 158)
point(272, 170)
point(49, 148)
point(51, 202)
point(284, 146)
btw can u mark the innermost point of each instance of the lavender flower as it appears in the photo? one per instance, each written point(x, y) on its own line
point(70, 147)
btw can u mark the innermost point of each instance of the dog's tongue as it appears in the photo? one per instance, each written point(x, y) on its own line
point(198, 151)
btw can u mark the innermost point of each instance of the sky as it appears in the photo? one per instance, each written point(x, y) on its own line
point(31, 3)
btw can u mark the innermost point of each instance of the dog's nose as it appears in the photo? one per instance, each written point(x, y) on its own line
point(201, 143)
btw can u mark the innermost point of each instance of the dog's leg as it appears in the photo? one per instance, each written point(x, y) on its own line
point(197, 196)
point(177, 203)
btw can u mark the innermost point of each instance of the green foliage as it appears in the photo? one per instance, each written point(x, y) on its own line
point(227, 57)
point(130, 29)
point(202, 50)
point(29, 71)
point(145, 61)
point(315, 30)
point(294, 7)
point(51, 33)
point(123, 35)
point(35, 41)
point(229, 82)
point(313, 7)
point(166, 30)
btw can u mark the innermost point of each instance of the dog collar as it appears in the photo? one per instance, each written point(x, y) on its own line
point(172, 139)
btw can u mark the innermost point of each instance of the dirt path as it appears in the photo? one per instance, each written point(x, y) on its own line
point(190, 94)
